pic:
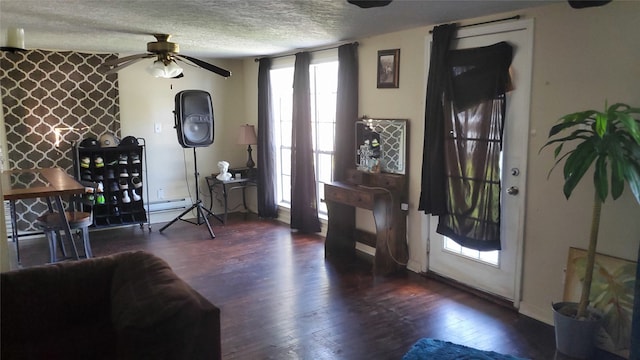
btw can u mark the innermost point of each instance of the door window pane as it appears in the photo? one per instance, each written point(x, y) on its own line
point(487, 257)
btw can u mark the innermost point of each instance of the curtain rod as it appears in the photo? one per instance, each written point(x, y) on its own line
point(315, 50)
point(516, 17)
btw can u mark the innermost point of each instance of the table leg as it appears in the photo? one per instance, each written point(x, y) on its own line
point(67, 229)
point(14, 227)
point(210, 195)
point(224, 194)
point(244, 199)
point(58, 237)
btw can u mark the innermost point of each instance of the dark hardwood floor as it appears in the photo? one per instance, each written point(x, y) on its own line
point(280, 298)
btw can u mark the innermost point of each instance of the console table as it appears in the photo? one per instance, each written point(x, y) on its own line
point(383, 194)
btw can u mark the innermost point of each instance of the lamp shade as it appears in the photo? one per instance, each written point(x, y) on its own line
point(247, 135)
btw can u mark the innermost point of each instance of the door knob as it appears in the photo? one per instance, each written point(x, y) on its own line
point(513, 190)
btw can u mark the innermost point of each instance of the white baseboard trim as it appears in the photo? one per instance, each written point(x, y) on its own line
point(541, 314)
point(415, 266)
point(284, 215)
point(168, 215)
point(365, 249)
point(169, 205)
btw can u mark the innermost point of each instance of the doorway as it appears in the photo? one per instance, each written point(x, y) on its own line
point(497, 273)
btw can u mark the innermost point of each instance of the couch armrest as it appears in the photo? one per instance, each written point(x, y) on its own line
point(48, 310)
point(159, 316)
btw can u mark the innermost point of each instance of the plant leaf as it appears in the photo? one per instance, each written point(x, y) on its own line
point(578, 134)
point(556, 129)
point(631, 125)
point(632, 174)
point(617, 173)
point(577, 165)
point(557, 151)
point(618, 106)
point(602, 121)
point(558, 161)
point(600, 178)
point(610, 138)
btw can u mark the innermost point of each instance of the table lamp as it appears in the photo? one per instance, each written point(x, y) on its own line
point(248, 137)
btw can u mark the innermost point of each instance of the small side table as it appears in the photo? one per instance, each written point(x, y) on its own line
point(216, 185)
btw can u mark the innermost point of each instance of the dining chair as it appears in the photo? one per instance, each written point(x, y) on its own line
point(79, 221)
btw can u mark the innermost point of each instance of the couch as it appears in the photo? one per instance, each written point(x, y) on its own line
point(129, 305)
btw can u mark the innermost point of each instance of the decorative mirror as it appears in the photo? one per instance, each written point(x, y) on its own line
point(381, 145)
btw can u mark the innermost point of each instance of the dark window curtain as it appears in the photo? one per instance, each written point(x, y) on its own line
point(304, 203)
point(475, 105)
point(432, 195)
point(346, 110)
point(267, 206)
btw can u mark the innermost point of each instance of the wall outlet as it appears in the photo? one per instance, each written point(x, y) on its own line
point(157, 127)
point(160, 194)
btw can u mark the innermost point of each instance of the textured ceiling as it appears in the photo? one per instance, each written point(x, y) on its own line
point(225, 28)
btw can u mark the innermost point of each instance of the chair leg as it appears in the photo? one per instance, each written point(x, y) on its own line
point(85, 240)
point(61, 243)
point(53, 251)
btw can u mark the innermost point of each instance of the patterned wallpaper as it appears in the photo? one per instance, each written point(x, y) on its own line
point(51, 100)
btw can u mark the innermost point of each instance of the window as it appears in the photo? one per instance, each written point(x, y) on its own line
point(485, 257)
point(324, 84)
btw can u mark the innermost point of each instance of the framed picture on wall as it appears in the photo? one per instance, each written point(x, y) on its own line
point(388, 68)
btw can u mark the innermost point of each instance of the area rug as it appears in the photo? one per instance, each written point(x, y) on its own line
point(444, 350)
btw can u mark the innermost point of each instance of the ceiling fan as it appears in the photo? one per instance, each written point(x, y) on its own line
point(166, 54)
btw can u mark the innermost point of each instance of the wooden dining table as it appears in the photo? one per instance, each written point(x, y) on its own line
point(50, 184)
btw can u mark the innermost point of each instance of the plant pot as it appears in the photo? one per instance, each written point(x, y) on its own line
point(575, 337)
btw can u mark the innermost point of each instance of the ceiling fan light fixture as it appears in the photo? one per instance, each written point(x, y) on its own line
point(173, 69)
point(159, 69)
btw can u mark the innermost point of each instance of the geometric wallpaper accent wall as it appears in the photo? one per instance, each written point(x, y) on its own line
point(51, 100)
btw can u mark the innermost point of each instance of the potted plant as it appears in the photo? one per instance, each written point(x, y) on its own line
point(610, 141)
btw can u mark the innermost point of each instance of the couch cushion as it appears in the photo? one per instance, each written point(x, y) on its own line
point(57, 311)
point(159, 316)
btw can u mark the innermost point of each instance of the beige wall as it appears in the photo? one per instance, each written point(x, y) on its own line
point(581, 58)
point(145, 101)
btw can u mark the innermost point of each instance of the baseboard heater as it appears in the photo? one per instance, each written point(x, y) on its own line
point(169, 205)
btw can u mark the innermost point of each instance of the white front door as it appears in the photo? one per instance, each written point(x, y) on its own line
point(469, 267)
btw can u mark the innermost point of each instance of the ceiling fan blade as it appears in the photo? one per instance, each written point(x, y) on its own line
point(120, 67)
point(117, 61)
point(206, 65)
point(579, 4)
